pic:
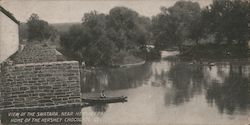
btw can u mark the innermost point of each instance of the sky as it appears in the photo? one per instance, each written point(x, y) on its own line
point(63, 11)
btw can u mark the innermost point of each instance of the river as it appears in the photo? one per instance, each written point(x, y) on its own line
point(171, 93)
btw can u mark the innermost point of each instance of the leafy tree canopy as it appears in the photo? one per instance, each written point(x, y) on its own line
point(228, 20)
point(39, 29)
point(100, 37)
point(175, 24)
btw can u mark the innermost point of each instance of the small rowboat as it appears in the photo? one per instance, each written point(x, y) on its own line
point(96, 100)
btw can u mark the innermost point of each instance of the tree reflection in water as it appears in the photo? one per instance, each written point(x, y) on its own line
point(231, 95)
point(115, 78)
point(89, 81)
point(187, 81)
point(100, 109)
point(225, 86)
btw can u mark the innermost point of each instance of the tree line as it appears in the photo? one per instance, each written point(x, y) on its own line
point(220, 28)
point(38, 29)
point(103, 39)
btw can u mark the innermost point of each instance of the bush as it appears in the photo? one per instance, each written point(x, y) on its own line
point(153, 54)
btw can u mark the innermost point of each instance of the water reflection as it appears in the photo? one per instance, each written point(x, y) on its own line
point(233, 94)
point(187, 81)
point(157, 90)
point(100, 109)
point(115, 78)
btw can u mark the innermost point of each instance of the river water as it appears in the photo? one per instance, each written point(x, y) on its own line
point(171, 93)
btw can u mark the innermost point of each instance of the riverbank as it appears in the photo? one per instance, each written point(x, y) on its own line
point(133, 64)
point(215, 52)
point(127, 60)
point(176, 56)
point(218, 60)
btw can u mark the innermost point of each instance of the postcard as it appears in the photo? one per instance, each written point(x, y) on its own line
point(125, 62)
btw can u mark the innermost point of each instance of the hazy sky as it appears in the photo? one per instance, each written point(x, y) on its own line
point(60, 11)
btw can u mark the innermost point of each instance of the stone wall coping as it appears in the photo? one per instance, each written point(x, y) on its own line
point(46, 63)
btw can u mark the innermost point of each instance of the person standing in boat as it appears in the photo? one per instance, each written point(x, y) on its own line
point(102, 94)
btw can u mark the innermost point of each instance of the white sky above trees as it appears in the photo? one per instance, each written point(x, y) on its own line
point(62, 11)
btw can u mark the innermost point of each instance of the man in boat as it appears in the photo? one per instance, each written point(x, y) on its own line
point(102, 94)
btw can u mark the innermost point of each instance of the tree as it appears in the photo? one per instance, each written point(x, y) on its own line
point(39, 29)
point(197, 29)
point(174, 25)
point(100, 38)
point(72, 42)
point(101, 48)
point(126, 28)
point(89, 41)
point(228, 20)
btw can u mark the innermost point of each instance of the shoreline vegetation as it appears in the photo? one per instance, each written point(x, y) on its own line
point(123, 36)
point(215, 52)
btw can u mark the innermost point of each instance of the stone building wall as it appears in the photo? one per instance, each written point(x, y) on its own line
point(40, 84)
point(1, 88)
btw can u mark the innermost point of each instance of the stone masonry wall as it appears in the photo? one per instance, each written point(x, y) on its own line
point(40, 84)
point(1, 88)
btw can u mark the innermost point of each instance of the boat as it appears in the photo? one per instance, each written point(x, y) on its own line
point(96, 100)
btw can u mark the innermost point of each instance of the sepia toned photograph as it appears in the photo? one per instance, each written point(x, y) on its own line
point(124, 62)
